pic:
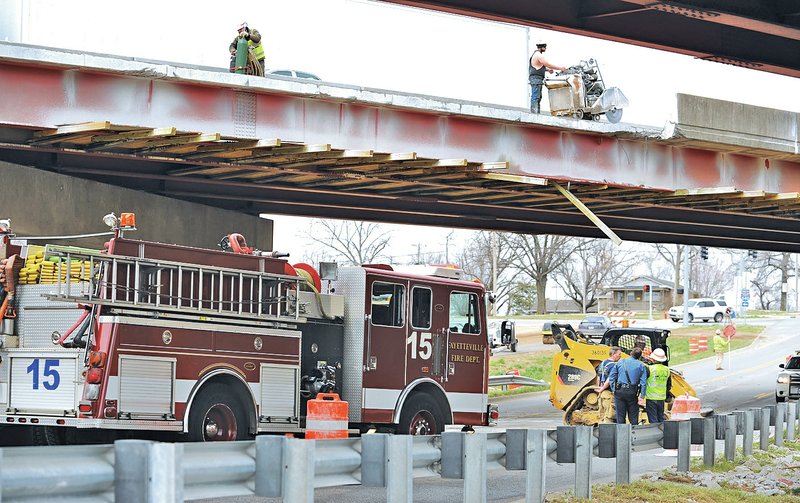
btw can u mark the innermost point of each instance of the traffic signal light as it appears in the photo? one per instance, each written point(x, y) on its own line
point(704, 252)
point(646, 288)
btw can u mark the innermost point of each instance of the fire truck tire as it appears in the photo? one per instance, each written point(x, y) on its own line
point(217, 415)
point(47, 435)
point(421, 416)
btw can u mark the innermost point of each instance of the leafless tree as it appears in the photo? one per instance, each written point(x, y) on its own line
point(765, 279)
point(538, 256)
point(354, 243)
point(593, 265)
point(476, 261)
point(673, 254)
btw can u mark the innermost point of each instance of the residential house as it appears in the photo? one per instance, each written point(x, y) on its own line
point(635, 295)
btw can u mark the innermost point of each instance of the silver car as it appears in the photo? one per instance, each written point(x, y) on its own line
point(787, 384)
point(595, 325)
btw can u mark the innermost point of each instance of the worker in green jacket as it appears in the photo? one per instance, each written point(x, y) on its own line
point(658, 382)
point(253, 38)
point(720, 345)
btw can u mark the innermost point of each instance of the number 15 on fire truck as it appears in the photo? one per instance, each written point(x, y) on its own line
point(224, 344)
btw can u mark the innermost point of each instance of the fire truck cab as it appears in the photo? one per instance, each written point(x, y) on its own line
point(215, 345)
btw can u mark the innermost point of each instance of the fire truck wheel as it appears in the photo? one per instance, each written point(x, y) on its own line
point(48, 435)
point(217, 416)
point(420, 416)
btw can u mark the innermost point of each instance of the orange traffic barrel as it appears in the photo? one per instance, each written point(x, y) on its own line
point(694, 345)
point(326, 417)
point(702, 344)
point(513, 372)
point(685, 407)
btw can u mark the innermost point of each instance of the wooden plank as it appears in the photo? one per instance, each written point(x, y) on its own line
point(74, 128)
point(240, 147)
point(110, 141)
point(508, 177)
point(705, 191)
point(283, 151)
point(178, 144)
point(588, 213)
point(494, 165)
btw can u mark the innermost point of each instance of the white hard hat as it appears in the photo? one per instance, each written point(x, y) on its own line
point(719, 332)
point(242, 26)
point(658, 355)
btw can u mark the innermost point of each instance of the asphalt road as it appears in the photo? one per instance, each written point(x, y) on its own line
point(747, 381)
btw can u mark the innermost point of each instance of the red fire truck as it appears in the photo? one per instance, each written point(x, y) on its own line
point(221, 345)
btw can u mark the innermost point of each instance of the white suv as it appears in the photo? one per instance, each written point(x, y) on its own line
point(700, 309)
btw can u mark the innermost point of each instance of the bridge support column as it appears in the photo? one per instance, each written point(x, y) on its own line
point(747, 441)
point(763, 430)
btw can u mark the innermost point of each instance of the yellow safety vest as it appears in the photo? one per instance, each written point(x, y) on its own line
point(258, 49)
point(720, 343)
point(657, 382)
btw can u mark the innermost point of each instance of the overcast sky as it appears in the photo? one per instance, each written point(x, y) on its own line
point(374, 44)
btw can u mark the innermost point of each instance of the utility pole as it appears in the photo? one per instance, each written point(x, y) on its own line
point(686, 286)
point(494, 269)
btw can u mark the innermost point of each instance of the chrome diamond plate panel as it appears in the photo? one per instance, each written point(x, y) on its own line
point(352, 284)
point(38, 317)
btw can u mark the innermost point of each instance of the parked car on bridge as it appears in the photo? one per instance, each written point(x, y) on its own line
point(787, 384)
point(700, 309)
point(293, 73)
point(595, 325)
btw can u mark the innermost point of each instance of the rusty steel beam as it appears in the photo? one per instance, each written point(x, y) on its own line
point(47, 96)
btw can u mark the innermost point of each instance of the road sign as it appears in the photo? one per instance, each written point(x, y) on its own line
point(745, 291)
point(745, 303)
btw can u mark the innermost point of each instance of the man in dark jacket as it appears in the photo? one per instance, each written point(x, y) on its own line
point(628, 379)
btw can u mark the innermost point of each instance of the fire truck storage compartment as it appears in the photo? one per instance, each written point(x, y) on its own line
point(44, 382)
point(39, 317)
point(279, 396)
point(146, 387)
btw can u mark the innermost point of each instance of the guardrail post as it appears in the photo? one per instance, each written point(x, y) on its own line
point(739, 421)
point(269, 465)
point(684, 445)
point(298, 481)
point(791, 421)
point(730, 438)
point(130, 470)
point(747, 441)
point(780, 418)
point(452, 455)
point(165, 468)
point(535, 462)
point(756, 418)
point(474, 461)
point(400, 468)
point(622, 447)
point(763, 433)
point(374, 459)
point(516, 449)
point(583, 461)
point(709, 440)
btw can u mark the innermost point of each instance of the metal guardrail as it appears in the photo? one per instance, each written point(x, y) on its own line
point(277, 466)
point(508, 379)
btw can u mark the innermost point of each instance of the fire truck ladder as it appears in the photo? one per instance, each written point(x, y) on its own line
point(174, 287)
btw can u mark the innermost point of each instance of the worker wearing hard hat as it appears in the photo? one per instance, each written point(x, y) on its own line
point(720, 345)
point(253, 38)
point(537, 66)
point(658, 382)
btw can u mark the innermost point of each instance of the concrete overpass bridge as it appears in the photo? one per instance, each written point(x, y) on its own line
point(724, 174)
